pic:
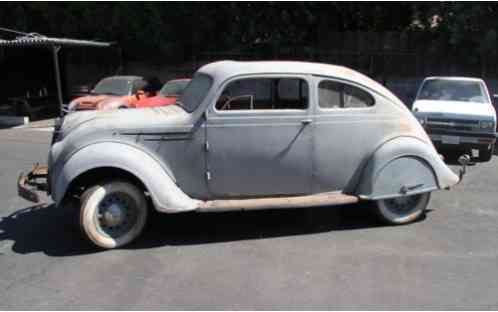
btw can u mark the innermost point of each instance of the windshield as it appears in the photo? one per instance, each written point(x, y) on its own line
point(195, 92)
point(110, 86)
point(452, 90)
point(174, 88)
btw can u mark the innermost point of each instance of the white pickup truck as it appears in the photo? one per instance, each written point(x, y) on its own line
point(458, 115)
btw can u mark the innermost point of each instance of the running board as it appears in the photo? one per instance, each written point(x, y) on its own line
point(322, 199)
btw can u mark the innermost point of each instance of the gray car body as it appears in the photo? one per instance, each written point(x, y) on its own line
point(185, 159)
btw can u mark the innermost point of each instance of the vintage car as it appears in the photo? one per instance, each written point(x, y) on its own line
point(458, 115)
point(243, 135)
point(110, 93)
point(167, 95)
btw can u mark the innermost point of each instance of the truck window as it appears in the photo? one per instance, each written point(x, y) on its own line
point(452, 90)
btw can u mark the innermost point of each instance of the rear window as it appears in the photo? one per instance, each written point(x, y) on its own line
point(334, 94)
point(112, 86)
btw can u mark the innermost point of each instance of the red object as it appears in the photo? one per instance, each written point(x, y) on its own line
point(155, 101)
point(167, 96)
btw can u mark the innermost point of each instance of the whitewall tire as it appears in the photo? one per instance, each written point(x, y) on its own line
point(403, 209)
point(113, 214)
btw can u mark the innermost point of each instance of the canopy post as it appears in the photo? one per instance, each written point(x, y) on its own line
point(55, 52)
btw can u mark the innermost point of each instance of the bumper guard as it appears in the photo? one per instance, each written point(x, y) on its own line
point(464, 161)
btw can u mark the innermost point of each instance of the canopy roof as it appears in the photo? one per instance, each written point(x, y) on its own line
point(42, 41)
point(26, 40)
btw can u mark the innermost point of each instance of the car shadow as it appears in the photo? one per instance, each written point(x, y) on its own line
point(55, 232)
point(42, 228)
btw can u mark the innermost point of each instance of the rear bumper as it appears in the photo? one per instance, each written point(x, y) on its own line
point(31, 184)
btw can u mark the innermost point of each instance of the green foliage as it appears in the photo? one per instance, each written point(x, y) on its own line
point(178, 31)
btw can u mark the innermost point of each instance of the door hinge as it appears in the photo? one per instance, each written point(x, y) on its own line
point(207, 146)
point(208, 175)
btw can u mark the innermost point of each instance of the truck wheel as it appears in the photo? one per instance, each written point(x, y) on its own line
point(485, 155)
point(403, 209)
point(113, 214)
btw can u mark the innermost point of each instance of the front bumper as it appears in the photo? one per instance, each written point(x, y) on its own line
point(461, 139)
point(30, 185)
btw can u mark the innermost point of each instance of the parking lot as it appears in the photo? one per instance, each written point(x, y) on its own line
point(337, 257)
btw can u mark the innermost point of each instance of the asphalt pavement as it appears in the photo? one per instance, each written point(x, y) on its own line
point(321, 258)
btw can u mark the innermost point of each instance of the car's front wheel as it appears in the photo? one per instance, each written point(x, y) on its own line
point(403, 209)
point(485, 154)
point(113, 214)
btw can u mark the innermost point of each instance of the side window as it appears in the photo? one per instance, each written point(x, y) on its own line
point(333, 94)
point(329, 94)
point(264, 93)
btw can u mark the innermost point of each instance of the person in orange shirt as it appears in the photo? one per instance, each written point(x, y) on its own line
point(150, 89)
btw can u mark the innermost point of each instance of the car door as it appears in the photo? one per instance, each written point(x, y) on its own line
point(350, 122)
point(259, 138)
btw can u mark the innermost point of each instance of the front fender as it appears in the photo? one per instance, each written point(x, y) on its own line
point(404, 166)
point(165, 194)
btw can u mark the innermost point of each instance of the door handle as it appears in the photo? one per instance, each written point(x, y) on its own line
point(306, 121)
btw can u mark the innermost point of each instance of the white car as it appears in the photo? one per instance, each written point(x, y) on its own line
point(458, 115)
point(243, 136)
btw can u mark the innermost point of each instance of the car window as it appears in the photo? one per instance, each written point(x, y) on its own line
point(174, 88)
point(452, 90)
point(264, 93)
point(334, 94)
point(138, 85)
point(195, 92)
point(112, 86)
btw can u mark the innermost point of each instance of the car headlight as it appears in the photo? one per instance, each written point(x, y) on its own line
point(487, 124)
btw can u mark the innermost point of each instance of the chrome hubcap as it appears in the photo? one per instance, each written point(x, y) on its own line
point(117, 214)
point(114, 215)
point(403, 203)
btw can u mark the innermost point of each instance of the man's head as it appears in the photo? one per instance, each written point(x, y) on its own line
point(152, 87)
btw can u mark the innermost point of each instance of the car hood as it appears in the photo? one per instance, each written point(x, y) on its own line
point(127, 119)
point(469, 109)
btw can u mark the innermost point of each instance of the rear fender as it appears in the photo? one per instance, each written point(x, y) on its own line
point(404, 166)
point(157, 178)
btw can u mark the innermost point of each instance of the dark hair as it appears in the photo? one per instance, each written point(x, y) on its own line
point(153, 85)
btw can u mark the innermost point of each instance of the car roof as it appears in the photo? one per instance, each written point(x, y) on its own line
point(223, 70)
point(454, 78)
point(129, 78)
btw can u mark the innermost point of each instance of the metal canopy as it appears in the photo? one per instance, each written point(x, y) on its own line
point(42, 41)
point(55, 44)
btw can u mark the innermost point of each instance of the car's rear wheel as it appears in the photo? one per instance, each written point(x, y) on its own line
point(403, 209)
point(113, 214)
